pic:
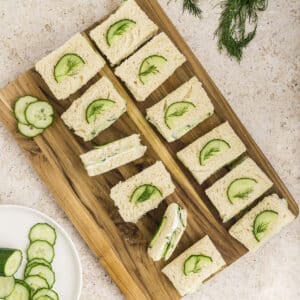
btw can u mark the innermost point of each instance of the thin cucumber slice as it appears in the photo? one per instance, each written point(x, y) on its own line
point(175, 111)
point(151, 66)
point(263, 223)
point(211, 149)
point(45, 292)
point(32, 265)
point(36, 282)
point(118, 29)
point(40, 249)
point(45, 298)
point(68, 65)
point(38, 261)
point(29, 131)
point(7, 285)
point(97, 108)
point(145, 192)
point(195, 263)
point(170, 246)
point(158, 231)
point(20, 107)
point(44, 272)
point(10, 261)
point(42, 232)
point(40, 114)
point(240, 189)
point(21, 291)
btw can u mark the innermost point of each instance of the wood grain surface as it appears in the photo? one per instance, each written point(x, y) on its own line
point(121, 247)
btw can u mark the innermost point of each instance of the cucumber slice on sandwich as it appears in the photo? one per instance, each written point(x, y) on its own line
point(240, 189)
point(68, 65)
point(20, 107)
point(118, 29)
point(97, 108)
point(151, 66)
point(211, 149)
point(45, 292)
point(21, 291)
point(177, 110)
point(7, 285)
point(10, 261)
point(40, 249)
point(40, 114)
point(157, 233)
point(43, 232)
point(263, 224)
point(195, 263)
point(145, 192)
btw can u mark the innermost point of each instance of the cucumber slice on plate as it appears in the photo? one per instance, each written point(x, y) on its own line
point(263, 223)
point(45, 298)
point(145, 192)
point(177, 110)
point(158, 231)
point(45, 292)
point(29, 131)
point(21, 291)
point(7, 285)
point(30, 265)
point(68, 65)
point(118, 29)
point(211, 149)
point(151, 66)
point(40, 114)
point(42, 232)
point(195, 263)
point(44, 272)
point(20, 107)
point(40, 249)
point(97, 108)
point(10, 261)
point(36, 282)
point(38, 261)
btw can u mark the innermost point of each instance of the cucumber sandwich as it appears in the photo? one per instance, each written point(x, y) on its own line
point(113, 155)
point(143, 192)
point(169, 233)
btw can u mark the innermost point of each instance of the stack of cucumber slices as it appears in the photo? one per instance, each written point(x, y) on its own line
point(39, 276)
point(33, 116)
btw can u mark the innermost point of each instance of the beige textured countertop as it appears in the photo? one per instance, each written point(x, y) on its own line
point(264, 90)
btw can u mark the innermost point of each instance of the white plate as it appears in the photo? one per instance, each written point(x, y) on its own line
point(15, 223)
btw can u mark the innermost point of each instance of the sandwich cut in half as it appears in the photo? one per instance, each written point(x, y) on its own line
point(188, 271)
point(181, 111)
point(123, 32)
point(169, 233)
point(211, 152)
point(97, 109)
point(113, 155)
point(262, 222)
point(238, 189)
point(150, 66)
point(143, 192)
point(69, 67)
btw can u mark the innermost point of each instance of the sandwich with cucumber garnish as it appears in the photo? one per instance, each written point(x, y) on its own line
point(113, 155)
point(169, 233)
point(33, 115)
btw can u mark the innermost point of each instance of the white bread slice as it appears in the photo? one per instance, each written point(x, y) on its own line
point(128, 71)
point(189, 156)
point(174, 224)
point(79, 45)
point(141, 32)
point(242, 230)
point(75, 116)
point(191, 91)
point(217, 193)
point(113, 155)
point(157, 176)
point(188, 284)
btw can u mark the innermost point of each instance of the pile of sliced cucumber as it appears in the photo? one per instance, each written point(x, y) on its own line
point(33, 116)
point(39, 276)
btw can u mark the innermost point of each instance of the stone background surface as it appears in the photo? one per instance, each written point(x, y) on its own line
point(264, 90)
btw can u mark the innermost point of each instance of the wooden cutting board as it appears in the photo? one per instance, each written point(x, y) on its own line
point(121, 247)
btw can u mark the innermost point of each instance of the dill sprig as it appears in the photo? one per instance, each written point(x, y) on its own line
point(192, 6)
point(233, 31)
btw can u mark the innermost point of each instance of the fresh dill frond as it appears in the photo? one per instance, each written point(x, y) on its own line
point(192, 6)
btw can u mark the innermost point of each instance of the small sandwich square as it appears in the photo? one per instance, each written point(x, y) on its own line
point(123, 32)
point(262, 222)
point(181, 111)
point(150, 66)
point(97, 109)
point(188, 271)
point(69, 67)
point(142, 192)
point(211, 152)
point(238, 189)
